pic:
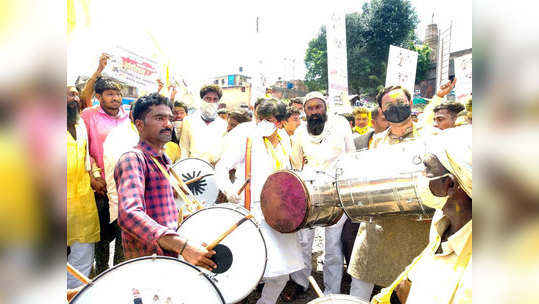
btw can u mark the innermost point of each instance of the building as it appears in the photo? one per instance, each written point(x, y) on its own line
point(289, 89)
point(236, 89)
point(427, 87)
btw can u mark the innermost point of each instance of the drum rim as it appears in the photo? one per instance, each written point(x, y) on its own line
point(337, 188)
point(253, 220)
point(157, 257)
point(188, 158)
point(307, 199)
point(337, 297)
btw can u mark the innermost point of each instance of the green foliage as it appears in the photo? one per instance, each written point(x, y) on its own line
point(423, 62)
point(368, 36)
point(316, 60)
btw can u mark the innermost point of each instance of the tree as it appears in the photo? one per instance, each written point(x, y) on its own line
point(423, 62)
point(316, 60)
point(368, 36)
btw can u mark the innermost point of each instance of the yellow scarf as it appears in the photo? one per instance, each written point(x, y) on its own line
point(269, 147)
point(361, 131)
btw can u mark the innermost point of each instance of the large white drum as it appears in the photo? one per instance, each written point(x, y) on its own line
point(205, 190)
point(246, 245)
point(144, 280)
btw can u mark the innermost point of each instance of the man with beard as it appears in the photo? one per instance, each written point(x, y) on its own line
point(202, 132)
point(317, 146)
point(147, 212)
point(384, 247)
point(82, 219)
point(100, 120)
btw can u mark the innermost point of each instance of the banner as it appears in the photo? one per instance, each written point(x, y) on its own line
point(132, 69)
point(463, 73)
point(337, 65)
point(401, 68)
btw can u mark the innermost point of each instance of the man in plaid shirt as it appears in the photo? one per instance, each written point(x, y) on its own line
point(147, 213)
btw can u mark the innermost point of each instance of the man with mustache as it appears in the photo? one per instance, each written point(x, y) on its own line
point(82, 219)
point(100, 120)
point(147, 212)
point(384, 247)
point(317, 146)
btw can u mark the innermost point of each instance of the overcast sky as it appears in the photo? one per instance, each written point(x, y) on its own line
point(212, 38)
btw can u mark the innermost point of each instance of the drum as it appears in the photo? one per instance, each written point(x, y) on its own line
point(338, 299)
point(246, 246)
point(205, 190)
point(293, 200)
point(382, 182)
point(149, 278)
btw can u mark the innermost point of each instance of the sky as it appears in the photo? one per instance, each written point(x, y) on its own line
point(204, 39)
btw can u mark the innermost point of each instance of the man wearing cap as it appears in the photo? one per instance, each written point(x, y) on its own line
point(442, 273)
point(203, 131)
point(317, 146)
point(384, 247)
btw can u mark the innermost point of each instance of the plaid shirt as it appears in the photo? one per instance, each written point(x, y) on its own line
point(146, 206)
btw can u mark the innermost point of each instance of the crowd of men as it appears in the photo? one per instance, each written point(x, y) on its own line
point(119, 189)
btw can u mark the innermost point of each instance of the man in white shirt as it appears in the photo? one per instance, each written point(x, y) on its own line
point(202, 132)
point(269, 153)
point(317, 146)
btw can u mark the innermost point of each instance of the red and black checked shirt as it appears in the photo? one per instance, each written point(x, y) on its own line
point(146, 207)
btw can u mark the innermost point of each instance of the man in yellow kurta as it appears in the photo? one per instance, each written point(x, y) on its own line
point(442, 273)
point(82, 218)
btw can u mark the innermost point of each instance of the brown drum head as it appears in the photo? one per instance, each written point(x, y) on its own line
point(284, 201)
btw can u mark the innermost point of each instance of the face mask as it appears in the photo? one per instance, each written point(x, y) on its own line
point(177, 127)
point(427, 198)
point(266, 128)
point(398, 112)
point(208, 111)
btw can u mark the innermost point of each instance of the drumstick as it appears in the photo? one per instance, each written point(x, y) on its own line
point(244, 185)
point(196, 179)
point(315, 287)
point(226, 233)
point(79, 276)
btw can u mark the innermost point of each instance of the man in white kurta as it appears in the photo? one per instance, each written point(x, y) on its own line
point(202, 132)
point(268, 154)
point(317, 146)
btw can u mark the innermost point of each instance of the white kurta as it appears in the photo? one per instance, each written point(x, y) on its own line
point(202, 140)
point(322, 153)
point(120, 140)
point(284, 250)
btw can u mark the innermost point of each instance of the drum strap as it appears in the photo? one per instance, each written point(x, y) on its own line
point(462, 261)
point(181, 189)
point(247, 192)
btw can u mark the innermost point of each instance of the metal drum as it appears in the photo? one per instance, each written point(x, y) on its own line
point(205, 190)
point(382, 182)
point(293, 200)
point(245, 247)
point(150, 280)
point(338, 299)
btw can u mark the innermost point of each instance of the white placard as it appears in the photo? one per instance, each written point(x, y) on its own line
point(401, 68)
point(337, 64)
point(463, 73)
point(133, 69)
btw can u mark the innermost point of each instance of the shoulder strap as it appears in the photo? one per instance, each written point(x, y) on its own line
point(384, 297)
point(181, 189)
point(248, 174)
